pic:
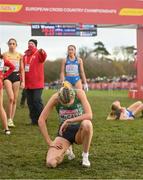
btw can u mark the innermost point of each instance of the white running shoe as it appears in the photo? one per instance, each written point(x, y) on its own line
point(7, 132)
point(85, 162)
point(10, 123)
point(70, 153)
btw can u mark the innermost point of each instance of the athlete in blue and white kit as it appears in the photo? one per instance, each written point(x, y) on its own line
point(122, 113)
point(72, 70)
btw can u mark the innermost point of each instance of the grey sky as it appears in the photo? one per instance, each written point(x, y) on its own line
point(56, 46)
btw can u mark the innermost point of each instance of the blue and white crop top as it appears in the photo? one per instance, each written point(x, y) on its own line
point(72, 67)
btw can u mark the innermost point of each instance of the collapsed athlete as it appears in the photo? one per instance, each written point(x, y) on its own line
point(119, 112)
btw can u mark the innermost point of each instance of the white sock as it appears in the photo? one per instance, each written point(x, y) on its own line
point(70, 147)
point(85, 154)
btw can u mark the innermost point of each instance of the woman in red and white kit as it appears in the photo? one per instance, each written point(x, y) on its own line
point(3, 116)
point(33, 62)
point(13, 82)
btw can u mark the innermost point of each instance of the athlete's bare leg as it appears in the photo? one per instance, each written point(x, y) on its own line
point(55, 156)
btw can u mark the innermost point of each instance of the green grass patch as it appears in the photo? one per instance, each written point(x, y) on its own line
point(116, 150)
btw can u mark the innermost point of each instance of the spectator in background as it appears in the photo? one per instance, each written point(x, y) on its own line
point(3, 116)
point(33, 61)
point(12, 82)
point(72, 69)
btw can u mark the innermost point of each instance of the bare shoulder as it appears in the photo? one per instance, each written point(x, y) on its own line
point(5, 54)
point(21, 55)
point(63, 60)
point(80, 93)
point(54, 97)
point(52, 101)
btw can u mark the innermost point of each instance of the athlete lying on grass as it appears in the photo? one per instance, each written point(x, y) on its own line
point(122, 113)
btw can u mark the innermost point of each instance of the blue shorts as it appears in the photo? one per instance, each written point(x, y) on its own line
point(72, 79)
point(130, 114)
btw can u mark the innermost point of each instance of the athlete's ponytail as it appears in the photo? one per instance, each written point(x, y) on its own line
point(66, 93)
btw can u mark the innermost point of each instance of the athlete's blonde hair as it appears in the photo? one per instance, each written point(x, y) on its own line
point(66, 92)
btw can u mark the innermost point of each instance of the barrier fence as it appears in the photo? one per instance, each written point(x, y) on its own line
point(112, 85)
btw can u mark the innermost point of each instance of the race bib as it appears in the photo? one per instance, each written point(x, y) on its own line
point(72, 69)
point(27, 67)
point(1, 64)
point(16, 64)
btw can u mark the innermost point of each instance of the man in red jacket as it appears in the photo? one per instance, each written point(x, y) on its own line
point(33, 62)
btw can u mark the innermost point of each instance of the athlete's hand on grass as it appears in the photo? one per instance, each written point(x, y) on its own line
point(63, 127)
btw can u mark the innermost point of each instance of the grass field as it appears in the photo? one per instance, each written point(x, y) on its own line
point(116, 150)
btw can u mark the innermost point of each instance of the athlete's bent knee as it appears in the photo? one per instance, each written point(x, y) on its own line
point(141, 106)
point(87, 125)
point(139, 102)
point(52, 163)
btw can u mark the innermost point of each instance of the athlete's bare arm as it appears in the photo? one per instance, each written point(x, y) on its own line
point(82, 73)
point(43, 117)
point(62, 74)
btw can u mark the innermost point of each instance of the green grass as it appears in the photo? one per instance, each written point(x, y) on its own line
point(116, 150)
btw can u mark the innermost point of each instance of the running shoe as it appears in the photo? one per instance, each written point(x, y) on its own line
point(10, 123)
point(85, 162)
point(70, 153)
point(7, 132)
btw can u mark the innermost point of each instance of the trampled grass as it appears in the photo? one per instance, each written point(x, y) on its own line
point(116, 150)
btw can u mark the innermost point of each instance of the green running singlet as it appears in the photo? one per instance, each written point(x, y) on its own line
point(66, 112)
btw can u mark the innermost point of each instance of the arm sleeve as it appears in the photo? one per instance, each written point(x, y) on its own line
point(11, 68)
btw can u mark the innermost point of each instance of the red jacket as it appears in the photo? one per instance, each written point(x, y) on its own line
point(5, 62)
point(34, 77)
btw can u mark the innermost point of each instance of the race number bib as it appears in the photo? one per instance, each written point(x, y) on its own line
point(1, 64)
point(27, 67)
point(16, 64)
point(72, 69)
